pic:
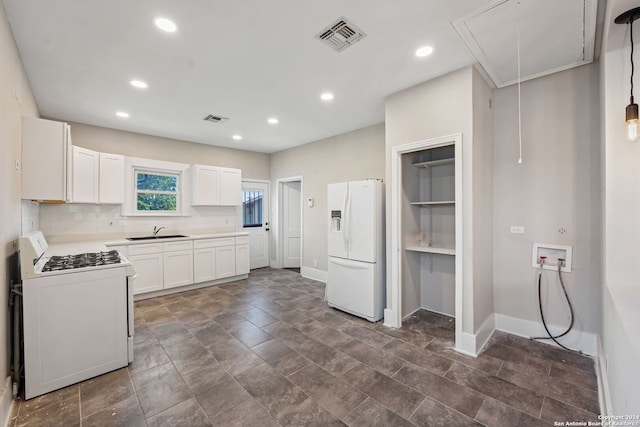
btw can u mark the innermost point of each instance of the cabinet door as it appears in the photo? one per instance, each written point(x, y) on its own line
point(206, 185)
point(242, 259)
point(148, 268)
point(111, 178)
point(45, 157)
point(225, 262)
point(85, 175)
point(178, 268)
point(204, 265)
point(230, 187)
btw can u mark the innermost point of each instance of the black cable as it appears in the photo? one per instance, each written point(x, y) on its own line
point(544, 323)
point(632, 66)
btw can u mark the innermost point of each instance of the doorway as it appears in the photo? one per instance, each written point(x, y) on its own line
point(290, 222)
point(255, 220)
point(410, 256)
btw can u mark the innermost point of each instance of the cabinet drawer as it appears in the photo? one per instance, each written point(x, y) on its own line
point(178, 246)
point(242, 240)
point(213, 243)
point(147, 248)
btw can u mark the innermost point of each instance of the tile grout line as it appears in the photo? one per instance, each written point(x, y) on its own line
point(416, 408)
point(80, 405)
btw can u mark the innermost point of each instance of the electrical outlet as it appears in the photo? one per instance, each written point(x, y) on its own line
point(517, 229)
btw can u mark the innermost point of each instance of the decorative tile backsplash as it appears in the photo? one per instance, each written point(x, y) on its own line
point(65, 220)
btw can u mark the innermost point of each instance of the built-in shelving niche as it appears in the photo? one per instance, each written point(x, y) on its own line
point(428, 215)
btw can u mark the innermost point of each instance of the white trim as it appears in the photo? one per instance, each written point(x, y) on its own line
point(314, 273)
point(6, 402)
point(577, 340)
point(467, 36)
point(191, 287)
point(473, 344)
point(279, 219)
point(604, 395)
point(393, 313)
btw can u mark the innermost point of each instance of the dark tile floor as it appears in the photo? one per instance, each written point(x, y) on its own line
point(267, 351)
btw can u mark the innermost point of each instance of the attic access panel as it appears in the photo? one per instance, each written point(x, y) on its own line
point(554, 36)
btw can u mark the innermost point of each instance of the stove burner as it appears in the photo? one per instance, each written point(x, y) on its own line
point(68, 262)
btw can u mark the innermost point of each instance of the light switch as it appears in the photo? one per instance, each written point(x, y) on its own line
point(517, 229)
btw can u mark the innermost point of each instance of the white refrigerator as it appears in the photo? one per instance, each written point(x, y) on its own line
point(356, 276)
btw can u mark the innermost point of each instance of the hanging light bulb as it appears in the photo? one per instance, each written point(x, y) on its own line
point(632, 120)
point(631, 111)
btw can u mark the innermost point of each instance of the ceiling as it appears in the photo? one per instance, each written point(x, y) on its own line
point(252, 60)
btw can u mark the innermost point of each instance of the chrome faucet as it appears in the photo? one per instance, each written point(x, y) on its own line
point(156, 230)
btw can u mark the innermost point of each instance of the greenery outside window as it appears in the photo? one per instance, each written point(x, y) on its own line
point(156, 191)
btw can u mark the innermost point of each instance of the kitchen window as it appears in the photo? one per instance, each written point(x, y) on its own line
point(156, 191)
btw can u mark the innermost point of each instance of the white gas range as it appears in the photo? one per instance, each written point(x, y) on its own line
point(77, 312)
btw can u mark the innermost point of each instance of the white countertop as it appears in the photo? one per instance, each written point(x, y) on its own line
point(124, 241)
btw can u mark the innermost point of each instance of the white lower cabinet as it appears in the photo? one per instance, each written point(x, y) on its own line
point(225, 262)
point(204, 264)
point(178, 268)
point(166, 265)
point(242, 255)
point(148, 269)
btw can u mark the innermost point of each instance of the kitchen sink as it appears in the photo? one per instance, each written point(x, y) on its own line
point(170, 236)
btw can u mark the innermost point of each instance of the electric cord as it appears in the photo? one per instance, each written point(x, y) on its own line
point(544, 323)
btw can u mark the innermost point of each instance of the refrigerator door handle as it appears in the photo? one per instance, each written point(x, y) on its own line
point(343, 226)
point(347, 223)
point(350, 264)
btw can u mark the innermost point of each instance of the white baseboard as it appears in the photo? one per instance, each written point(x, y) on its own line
point(473, 344)
point(6, 402)
point(604, 396)
point(314, 273)
point(577, 340)
point(169, 291)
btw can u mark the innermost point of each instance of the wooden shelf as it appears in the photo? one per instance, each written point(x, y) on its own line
point(440, 203)
point(433, 163)
point(431, 250)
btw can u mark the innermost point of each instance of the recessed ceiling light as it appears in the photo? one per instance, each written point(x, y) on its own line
point(327, 96)
point(139, 84)
point(237, 137)
point(166, 25)
point(272, 120)
point(122, 114)
point(424, 51)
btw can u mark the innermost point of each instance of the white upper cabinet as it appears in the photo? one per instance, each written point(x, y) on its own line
point(111, 178)
point(206, 185)
point(85, 175)
point(46, 146)
point(230, 187)
point(216, 186)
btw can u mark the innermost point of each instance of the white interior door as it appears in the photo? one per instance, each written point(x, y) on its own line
point(255, 220)
point(291, 224)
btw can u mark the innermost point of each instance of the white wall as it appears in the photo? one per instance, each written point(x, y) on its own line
point(555, 188)
point(254, 165)
point(347, 157)
point(16, 101)
point(620, 295)
point(436, 108)
point(483, 194)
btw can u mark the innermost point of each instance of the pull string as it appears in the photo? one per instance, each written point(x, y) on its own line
point(519, 97)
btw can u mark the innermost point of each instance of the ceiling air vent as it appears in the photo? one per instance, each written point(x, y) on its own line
point(215, 119)
point(340, 35)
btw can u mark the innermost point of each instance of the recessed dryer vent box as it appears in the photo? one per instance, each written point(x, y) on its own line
point(553, 253)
